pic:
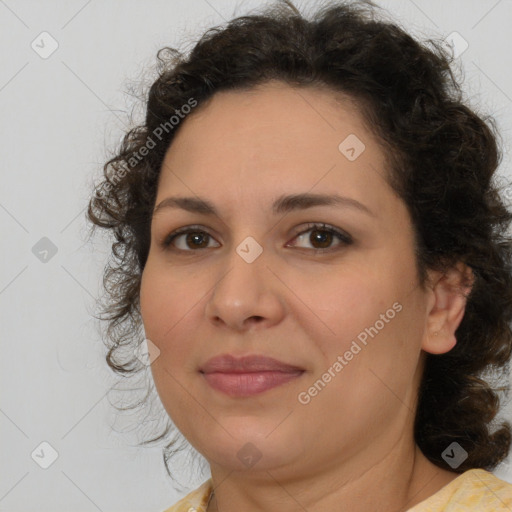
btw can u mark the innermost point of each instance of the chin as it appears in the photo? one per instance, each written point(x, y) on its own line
point(249, 447)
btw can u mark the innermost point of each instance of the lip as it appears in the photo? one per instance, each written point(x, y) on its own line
point(247, 375)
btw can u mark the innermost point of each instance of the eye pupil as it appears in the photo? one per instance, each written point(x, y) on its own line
point(324, 239)
point(194, 237)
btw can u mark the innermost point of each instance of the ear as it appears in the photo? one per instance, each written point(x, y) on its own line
point(446, 307)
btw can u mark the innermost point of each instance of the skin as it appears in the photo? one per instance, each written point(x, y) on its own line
point(240, 151)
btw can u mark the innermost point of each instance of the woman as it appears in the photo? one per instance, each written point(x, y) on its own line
point(307, 227)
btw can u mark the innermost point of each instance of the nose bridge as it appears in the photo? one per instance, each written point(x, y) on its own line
point(246, 289)
point(245, 278)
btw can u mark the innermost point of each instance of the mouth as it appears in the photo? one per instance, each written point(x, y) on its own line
point(248, 375)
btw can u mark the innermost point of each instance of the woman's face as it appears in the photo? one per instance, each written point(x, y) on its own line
point(349, 317)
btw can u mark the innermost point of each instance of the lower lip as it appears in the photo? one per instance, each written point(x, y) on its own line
point(248, 384)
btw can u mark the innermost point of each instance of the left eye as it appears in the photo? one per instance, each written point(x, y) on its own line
point(323, 235)
point(320, 234)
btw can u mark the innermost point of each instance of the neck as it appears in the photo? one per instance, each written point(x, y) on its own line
point(397, 482)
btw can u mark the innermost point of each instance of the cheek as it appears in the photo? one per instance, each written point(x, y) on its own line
point(163, 304)
point(369, 369)
point(172, 309)
point(166, 314)
point(368, 316)
point(348, 301)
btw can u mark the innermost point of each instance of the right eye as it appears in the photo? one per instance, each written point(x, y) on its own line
point(190, 238)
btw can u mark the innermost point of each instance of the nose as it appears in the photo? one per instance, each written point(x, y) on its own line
point(245, 296)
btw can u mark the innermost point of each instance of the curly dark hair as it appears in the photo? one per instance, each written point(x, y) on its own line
point(442, 157)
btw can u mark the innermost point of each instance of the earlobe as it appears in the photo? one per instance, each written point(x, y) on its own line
point(446, 308)
point(439, 342)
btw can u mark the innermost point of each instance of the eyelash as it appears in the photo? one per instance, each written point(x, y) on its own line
point(342, 237)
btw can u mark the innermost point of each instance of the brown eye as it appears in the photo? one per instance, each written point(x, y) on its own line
point(322, 236)
point(196, 240)
point(188, 239)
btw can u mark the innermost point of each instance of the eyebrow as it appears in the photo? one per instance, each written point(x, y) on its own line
point(283, 204)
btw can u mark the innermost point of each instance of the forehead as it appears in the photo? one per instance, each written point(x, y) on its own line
point(276, 114)
point(271, 139)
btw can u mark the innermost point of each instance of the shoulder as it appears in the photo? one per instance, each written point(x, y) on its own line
point(195, 501)
point(474, 490)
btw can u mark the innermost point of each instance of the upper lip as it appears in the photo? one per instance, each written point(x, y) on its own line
point(226, 363)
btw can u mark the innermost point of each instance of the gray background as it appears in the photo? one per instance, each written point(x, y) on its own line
point(60, 118)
